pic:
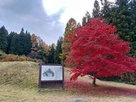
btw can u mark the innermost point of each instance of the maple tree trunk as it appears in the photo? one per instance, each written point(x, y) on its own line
point(94, 80)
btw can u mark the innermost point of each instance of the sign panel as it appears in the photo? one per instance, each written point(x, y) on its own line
point(51, 73)
point(51, 76)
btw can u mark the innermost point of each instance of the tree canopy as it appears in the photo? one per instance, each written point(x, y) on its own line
point(98, 51)
point(3, 39)
point(70, 27)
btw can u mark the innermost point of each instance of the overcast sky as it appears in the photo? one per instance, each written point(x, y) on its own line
point(45, 18)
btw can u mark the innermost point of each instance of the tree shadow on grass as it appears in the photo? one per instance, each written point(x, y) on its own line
point(86, 88)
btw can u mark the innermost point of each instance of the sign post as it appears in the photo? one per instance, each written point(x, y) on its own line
point(51, 76)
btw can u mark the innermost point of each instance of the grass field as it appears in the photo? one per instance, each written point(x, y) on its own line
point(19, 83)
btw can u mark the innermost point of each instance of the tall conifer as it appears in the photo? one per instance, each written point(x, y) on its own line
point(3, 39)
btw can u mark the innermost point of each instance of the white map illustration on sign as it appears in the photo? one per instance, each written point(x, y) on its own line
point(51, 73)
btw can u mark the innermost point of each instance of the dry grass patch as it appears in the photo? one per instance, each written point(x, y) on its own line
point(23, 74)
point(19, 83)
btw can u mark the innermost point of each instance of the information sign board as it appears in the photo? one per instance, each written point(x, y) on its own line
point(51, 76)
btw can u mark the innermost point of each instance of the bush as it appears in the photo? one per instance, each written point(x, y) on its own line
point(11, 57)
point(129, 78)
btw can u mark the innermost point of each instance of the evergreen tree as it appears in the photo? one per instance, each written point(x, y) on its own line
point(28, 43)
point(132, 8)
point(84, 22)
point(58, 51)
point(86, 19)
point(96, 9)
point(50, 57)
point(21, 44)
point(123, 16)
point(23, 47)
point(12, 43)
point(79, 25)
point(106, 8)
point(3, 39)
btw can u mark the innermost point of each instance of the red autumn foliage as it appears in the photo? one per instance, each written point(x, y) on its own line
point(97, 50)
point(104, 89)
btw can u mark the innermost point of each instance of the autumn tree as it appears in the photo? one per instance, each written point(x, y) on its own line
point(34, 42)
point(70, 27)
point(39, 48)
point(34, 50)
point(97, 51)
point(43, 49)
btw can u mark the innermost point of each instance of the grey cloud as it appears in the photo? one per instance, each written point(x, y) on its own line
point(30, 15)
point(4, 3)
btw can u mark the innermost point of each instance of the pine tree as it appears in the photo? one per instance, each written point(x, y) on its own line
point(28, 43)
point(123, 16)
point(12, 43)
point(58, 51)
point(96, 10)
point(50, 56)
point(106, 8)
point(86, 19)
point(132, 28)
point(21, 44)
point(3, 39)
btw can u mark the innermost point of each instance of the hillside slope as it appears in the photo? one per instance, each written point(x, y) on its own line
point(19, 83)
point(23, 74)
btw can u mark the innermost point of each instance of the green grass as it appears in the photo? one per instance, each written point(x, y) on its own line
point(19, 83)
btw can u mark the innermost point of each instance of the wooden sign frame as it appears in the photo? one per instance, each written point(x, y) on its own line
point(51, 76)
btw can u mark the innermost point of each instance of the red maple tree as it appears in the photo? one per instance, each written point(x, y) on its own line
point(97, 51)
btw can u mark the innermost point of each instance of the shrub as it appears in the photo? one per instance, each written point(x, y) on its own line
point(11, 57)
